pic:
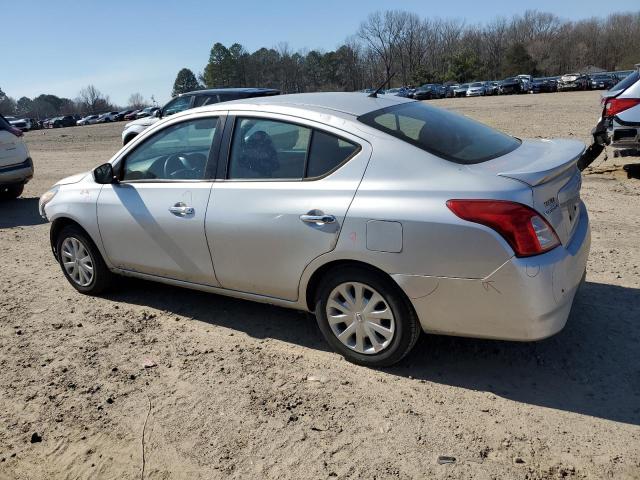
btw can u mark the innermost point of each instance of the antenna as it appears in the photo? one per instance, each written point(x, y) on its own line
point(375, 94)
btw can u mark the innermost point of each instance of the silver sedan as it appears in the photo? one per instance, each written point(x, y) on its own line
point(384, 216)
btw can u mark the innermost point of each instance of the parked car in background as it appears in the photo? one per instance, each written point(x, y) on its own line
point(16, 166)
point(107, 117)
point(428, 91)
point(573, 81)
point(64, 121)
point(146, 112)
point(165, 209)
point(476, 89)
point(405, 92)
point(526, 82)
point(602, 81)
point(120, 116)
point(511, 85)
point(541, 85)
point(491, 87)
point(24, 124)
point(461, 90)
point(197, 98)
point(131, 115)
point(88, 120)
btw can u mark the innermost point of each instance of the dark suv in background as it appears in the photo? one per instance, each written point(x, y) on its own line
point(194, 99)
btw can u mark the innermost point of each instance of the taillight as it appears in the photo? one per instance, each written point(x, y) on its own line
point(16, 131)
point(522, 227)
point(614, 106)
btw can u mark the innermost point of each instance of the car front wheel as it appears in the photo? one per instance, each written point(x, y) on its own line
point(365, 317)
point(81, 261)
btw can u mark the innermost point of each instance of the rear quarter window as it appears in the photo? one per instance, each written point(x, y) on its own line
point(445, 134)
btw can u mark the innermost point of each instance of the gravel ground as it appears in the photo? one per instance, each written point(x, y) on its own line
point(189, 385)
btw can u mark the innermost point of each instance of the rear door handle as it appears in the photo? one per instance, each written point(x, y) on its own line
point(318, 219)
point(180, 209)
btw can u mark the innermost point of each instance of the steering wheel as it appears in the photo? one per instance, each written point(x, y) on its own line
point(183, 167)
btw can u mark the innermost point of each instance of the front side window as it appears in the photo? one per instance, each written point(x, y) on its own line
point(448, 135)
point(178, 152)
point(177, 105)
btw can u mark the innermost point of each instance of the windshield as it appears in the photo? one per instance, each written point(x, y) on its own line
point(476, 84)
point(446, 134)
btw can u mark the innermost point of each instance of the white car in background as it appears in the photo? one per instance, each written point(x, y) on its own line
point(88, 120)
point(16, 167)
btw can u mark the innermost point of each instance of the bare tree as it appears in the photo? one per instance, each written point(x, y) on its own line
point(92, 99)
point(381, 32)
point(137, 101)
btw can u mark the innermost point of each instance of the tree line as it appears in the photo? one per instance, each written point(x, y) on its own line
point(416, 50)
point(422, 50)
point(89, 101)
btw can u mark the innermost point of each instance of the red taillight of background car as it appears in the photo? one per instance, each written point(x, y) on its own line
point(614, 106)
point(16, 131)
point(521, 226)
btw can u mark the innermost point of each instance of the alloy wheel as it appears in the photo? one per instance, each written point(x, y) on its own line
point(360, 318)
point(77, 261)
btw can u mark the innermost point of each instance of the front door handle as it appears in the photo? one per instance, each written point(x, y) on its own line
point(318, 219)
point(181, 209)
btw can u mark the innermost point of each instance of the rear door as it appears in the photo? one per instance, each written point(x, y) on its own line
point(12, 149)
point(152, 221)
point(280, 200)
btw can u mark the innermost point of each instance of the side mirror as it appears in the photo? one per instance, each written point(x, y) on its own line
point(158, 113)
point(104, 174)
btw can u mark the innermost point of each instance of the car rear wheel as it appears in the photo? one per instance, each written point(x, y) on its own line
point(365, 317)
point(9, 192)
point(81, 261)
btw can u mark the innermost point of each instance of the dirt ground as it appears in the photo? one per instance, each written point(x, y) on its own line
point(243, 390)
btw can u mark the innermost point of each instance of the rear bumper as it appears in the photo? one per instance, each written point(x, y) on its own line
point(19, 173)
point(525, 299)
point(621, 134)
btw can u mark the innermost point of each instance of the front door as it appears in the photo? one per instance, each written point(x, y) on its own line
point(153, 220)
point(282, 202)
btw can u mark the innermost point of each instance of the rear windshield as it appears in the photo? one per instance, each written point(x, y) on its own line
point(446, 134)
point(628, 81)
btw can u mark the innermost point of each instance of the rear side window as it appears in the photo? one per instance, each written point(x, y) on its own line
point(265, 149)
point(202, 100)
point(327, 152)
point(448, 135)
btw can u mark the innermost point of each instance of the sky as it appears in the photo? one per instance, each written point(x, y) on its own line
point(122, 47)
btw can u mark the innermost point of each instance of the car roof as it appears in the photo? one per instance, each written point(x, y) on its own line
point(350, 103)
point(212, 91)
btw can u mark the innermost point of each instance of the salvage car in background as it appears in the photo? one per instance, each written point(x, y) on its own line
point(573, 81)
point(360, 209)
point(188, 100)
point(511, 85)
point(619, 123)
point(16, 166)
point(428, 91)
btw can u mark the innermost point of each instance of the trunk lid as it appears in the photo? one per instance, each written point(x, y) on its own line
point(549, 168)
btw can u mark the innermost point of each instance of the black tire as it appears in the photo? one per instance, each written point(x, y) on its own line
point(9, 192)
point(407, 326)
point(102, 276)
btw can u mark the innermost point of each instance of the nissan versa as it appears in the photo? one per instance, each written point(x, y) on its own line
point(384, 216)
